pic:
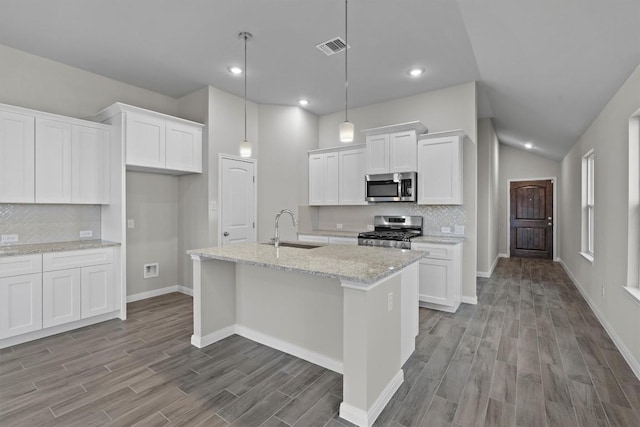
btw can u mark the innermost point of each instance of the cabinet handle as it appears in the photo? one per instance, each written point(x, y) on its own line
point(225, 234)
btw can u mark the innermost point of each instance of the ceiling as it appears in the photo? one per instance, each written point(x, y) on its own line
point(545, 68)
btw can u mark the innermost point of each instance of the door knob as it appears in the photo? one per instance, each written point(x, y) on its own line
point(549, 218)
point(550, 223)
point(226, 233)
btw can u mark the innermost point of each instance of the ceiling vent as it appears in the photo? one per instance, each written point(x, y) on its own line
point(332, 46)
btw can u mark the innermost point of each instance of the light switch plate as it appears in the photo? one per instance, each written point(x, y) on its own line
point(370, 227)
point(339, 226)
point(459, 229)
point(445, 229)
point(9, 238)
point(131, 223)
point(86, 233)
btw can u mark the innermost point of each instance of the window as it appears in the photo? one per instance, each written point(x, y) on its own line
point(588, 203)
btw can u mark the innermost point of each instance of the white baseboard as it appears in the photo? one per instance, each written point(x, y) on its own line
point(158, 292)
point(54, 330)
point(364, 418)
point(503, 255)
point(287, 347)
point(469, 300)
point(216, 336)
point(487, 274)
point(628, 356)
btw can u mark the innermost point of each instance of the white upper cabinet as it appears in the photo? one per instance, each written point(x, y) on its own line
point(46, 158)
point(17, 158)
point(336, 177)
point(377, 154)
point(184, 147)
point(352, 164)
point(146, 140)
point(391, 149)
point(440, 168)
point(90, 165)
point(156, 142)
point(53, 161)
point(403, 152)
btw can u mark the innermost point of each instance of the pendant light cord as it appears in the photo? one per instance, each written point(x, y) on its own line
point(346, 59)
point(245, 86)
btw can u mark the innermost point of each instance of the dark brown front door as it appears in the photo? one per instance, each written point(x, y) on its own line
point(531, 219)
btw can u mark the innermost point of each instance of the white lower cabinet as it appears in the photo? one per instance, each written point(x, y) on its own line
point(97, 290)
point(20, 304)
point(61, 297)
point(335, 240)
point(313, 238)
point(440, 276)
point(46, 290)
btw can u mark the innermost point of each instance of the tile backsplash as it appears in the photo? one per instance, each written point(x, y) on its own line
point(49, 223)
point(356, 218)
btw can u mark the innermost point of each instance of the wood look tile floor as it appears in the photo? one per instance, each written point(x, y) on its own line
point(531, 353)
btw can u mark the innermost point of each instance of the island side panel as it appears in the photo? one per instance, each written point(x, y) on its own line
point(372, 349)
point(214, 300)
point(300, 314)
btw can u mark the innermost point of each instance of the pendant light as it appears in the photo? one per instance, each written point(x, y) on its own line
point(346, 127)
point(245, 146)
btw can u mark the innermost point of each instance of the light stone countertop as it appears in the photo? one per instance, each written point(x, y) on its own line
point(330, 233)
point(359, 264)
point(443, 240)
point(54, 247)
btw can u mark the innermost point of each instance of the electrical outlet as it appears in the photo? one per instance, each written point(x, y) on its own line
point(445, 229)
point(151, 270)
point(338, 226)
point(459, 229)
point(370, 227)
point(9, 238)
point(390, 301)
point(86, 233)
point(131, 223)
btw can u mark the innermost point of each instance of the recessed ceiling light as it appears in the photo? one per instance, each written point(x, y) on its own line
point(303, 102)
point(416, 72)
point(234, 69)
point(528, 146)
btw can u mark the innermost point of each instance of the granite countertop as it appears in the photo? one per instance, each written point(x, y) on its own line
point(443, 240)
point(330, 233)
point(359, 264)
point(54, 247)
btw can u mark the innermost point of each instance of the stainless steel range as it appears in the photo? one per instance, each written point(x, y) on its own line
point(392, 231)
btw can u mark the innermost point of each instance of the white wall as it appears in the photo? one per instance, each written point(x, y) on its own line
point(488, 181)
point(516, 164)
point(152, 202)
point(608, 135)
point(440, 110)
point(286, 133)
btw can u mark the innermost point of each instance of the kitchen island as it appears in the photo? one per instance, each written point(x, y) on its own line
point(351, 309)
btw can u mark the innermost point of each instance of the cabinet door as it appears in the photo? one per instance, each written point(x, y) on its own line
point(96, 290)
point(440, 171)
point(316, 180)
point(20, 304)
point(313, 238)
point(331, 178)
point(352, 177)
point(403, 151)
point(146, 141)
point(435, 281)
point(377, 154)
point(184, 147)
point(53, 161)
point(90, 165)
point(17, 158)
point(343, 240)
point(60, 297)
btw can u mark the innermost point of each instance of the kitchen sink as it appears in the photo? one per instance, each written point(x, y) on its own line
point(298, 245)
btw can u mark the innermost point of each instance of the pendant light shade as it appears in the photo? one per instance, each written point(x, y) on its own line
point(346, 127)
point(346, 132)
point(245, 146)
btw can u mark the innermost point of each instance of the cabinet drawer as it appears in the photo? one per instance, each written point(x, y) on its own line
point(17, 265)
point(343, 240)
point(313, 238)
point(435, 251)
point(74, 259)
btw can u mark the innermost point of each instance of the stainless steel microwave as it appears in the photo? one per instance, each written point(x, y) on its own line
point(391, 187)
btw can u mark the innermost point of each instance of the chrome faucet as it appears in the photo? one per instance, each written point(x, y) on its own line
point(276, 238)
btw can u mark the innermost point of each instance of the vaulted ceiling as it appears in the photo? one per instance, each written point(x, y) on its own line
point(545, 68)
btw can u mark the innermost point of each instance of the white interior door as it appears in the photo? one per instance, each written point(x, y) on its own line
point(238, 201)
